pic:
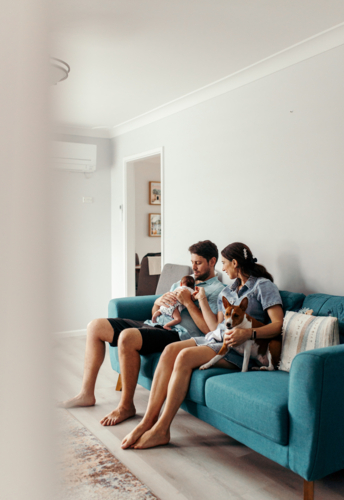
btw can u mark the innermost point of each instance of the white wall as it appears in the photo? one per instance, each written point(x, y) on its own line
point(242, 167)
point(81, 241)
point(145, 171)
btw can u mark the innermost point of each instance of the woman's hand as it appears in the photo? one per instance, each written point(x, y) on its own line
point(200, 293)
point(237, 336)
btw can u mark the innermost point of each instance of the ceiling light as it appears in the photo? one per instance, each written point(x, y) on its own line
point(59, 70)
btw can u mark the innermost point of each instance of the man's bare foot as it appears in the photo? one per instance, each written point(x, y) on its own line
point(118, 415)
point(79, 400)
point(153, 437)
point(131, 438)
point(167, 327)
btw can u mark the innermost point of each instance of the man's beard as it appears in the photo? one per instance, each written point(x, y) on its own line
point(204, 276)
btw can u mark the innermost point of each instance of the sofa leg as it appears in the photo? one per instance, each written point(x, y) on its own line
point(119, 383)
point(308, 490)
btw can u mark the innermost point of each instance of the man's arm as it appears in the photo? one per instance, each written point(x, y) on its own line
point(184, 297)
point(168, 299)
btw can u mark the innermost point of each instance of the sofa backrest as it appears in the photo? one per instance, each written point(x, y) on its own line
point(327, 305)
point(170, 274)
point(292, 301)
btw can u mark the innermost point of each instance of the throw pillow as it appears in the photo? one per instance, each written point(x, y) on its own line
point(303, 332)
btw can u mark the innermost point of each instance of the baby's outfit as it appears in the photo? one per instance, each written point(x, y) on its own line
point(170, 309)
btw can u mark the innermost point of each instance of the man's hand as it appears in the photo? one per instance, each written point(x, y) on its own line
point(167, 300)
point(237, 336)
point(184, 297)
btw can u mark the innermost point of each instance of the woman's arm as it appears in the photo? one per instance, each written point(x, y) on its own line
point(184, 297)
point(238, 336)
point(209, 317)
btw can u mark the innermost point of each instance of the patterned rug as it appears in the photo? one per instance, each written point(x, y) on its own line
point(88, 471)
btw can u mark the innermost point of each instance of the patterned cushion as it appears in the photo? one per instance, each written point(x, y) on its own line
point(303, 332)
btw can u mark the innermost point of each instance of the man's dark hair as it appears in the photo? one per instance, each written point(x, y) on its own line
point(206, 249)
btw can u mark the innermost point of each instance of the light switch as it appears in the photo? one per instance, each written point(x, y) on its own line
point(87, 199)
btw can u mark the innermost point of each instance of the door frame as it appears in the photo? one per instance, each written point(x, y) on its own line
point(129, 216)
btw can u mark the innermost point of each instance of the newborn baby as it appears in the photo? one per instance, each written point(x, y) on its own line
point(174, 311)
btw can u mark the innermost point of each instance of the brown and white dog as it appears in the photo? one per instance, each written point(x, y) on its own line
point(266, 351)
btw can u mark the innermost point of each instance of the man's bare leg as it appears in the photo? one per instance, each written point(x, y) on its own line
point(129, 344)
point(99, 331)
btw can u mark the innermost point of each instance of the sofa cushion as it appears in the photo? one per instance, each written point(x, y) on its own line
point(196, 392)
point(292, 301)
point(304, 332)
point(255, 400)
point(327, 305)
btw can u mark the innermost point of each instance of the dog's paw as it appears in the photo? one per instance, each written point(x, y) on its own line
point(203, 367)
point(255, 369)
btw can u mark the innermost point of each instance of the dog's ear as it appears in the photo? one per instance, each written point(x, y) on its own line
point(225, 302)
point(244, 304)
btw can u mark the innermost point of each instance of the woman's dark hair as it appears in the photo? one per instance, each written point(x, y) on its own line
point(206, 249)
point(188, 281)
point(246, 262)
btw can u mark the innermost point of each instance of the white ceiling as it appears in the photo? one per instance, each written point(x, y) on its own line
point(128, 57)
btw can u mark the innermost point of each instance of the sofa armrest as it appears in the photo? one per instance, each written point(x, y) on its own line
point(138, 308)
point(316, 411)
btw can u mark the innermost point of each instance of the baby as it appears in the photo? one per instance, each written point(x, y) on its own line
point(174, 311)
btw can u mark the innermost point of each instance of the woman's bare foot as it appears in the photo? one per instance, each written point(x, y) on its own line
point(153, 437)
point(118, 415)
point(131, 438)
point(79, 400)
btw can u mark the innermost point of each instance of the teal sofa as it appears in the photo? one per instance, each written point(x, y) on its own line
point(295, 418)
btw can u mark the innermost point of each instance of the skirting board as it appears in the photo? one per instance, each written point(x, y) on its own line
point(72, 333)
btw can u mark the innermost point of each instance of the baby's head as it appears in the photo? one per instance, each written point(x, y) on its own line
point(188, 281)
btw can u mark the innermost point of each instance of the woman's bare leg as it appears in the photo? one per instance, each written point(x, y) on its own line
point(158, 392)
point(187, 360)
point(99, 331)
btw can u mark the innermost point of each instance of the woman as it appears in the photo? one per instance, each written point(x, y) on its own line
point(173, 373)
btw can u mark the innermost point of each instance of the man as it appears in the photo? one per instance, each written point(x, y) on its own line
point(135, 337)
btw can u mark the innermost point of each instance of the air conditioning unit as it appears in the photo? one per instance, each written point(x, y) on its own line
point(74, 157)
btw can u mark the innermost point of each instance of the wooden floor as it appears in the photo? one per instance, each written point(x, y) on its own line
point(200, 462)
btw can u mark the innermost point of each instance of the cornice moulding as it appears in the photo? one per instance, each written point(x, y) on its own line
point(317, 44)
point(101, 133)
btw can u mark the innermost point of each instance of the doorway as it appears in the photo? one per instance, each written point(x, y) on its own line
point(143, 213)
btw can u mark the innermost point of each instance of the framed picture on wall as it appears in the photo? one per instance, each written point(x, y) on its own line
point(155, 193)
point(154, 225)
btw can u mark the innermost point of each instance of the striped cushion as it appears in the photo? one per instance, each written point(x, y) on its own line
point(302, 332)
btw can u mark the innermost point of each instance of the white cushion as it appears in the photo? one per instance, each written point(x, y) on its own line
point(303, 332)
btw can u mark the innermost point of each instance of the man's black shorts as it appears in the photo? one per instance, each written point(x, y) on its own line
point(154, 338)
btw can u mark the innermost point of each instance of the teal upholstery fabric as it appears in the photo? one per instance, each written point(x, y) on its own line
point(292, 301)
point(328, 305)
point(255, 441)
point(255, 400)
point(196, 390)
point(316, 409)
point(137, 308)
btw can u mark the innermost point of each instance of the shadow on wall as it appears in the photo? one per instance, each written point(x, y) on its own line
point(291, 276)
